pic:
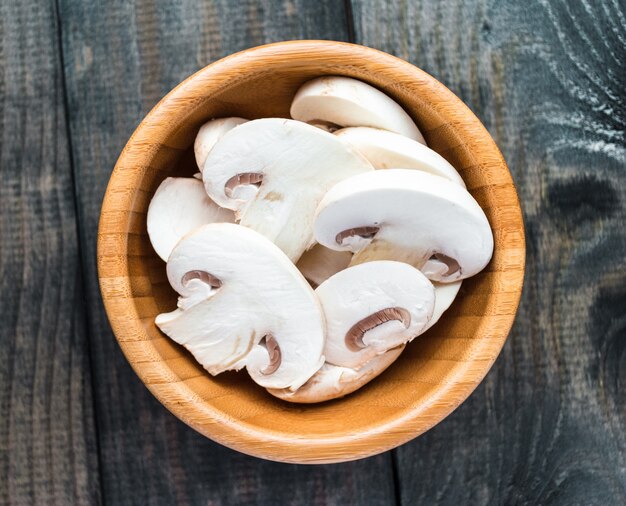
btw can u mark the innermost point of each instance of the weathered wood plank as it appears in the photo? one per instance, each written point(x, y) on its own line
point(120, 59)
point(547, 79)
point(48, 452)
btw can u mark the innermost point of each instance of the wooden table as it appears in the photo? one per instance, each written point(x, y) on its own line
point(547, 426)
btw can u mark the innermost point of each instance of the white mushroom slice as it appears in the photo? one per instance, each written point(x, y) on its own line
point(333, 102)
point(208, 135)
point(320, 263)
point(371, 308)
point(332, 381)
point(388, 150)
point(445, 293)
point(244, 304)
point(289, 165)
point(179, 206)
point(409, 216)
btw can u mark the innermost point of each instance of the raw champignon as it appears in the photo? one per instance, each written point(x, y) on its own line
point(289, 165)
point(244, 304)
point(333, 102)
point(320, 263)
point(371, 308)
point(179, 206)
point(445, 293)
point(332, 381)
point(388, 150)
point(409, 216)
point(208, 135)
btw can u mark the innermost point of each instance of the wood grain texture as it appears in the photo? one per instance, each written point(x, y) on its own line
point(48, 452)
point(546, 77)
point(120, 60)
point(431, 378)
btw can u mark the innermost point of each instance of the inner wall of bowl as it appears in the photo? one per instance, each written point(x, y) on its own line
point(459, 344)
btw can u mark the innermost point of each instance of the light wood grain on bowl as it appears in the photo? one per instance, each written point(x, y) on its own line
point(432, 377)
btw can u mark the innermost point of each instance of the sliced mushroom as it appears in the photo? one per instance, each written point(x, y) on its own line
point(244, 304)
point(371, 308)
point(320, 263)
point(388, 150)
point(445, 293)
point(208, 135)
point(347, 102)
point(332, 381)
point(179, 206)
point(273, 172)
point(409, 216)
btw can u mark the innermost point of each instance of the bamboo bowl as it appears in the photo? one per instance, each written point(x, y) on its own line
point(435, 373)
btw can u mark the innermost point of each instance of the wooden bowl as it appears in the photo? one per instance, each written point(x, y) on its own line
point(436, 372)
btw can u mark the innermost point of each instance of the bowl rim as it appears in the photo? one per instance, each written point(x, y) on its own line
point(167, 387)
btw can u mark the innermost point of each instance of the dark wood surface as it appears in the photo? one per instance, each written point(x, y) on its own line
point(548, 79)
point(47, 427)
point(547, 426)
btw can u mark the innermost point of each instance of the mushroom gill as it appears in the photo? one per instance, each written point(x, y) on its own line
point(273, 350)
point(245, 178)
point(203, 276)
point(354, 336)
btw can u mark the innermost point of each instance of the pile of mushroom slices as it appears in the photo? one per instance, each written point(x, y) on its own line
point(297, 259)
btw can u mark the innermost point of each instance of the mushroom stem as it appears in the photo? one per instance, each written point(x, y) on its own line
point(433, 265)
point(382, 248)
point(320, 263)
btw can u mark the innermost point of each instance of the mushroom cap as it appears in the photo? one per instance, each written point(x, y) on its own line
point(371, 308)
point(348, 102)
point(208, 135)
point(320, 263)
point(240, 298)
point(293, 164)
point(409, 216)
point(386, 150)
point(332, 381)
point(179, 206)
